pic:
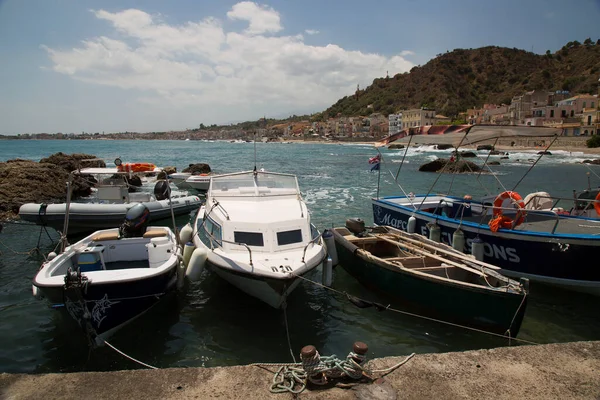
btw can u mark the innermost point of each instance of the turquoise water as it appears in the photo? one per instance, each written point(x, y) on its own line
point(214, 324)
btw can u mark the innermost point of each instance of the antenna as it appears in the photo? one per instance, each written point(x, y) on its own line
point(255, 152)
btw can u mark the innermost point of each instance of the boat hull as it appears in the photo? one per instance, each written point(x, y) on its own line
point(113, 304)
point(89, 217)
point(272, 291)
point(544, 258)
point(494, 311)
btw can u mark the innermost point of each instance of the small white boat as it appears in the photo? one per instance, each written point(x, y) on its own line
point(111, 276)
point(111, 203)
point(186, 181)
point(255, 229)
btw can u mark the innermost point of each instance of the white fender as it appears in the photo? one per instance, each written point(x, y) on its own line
point(196, 264)
point(185, 234)
point(188, 249)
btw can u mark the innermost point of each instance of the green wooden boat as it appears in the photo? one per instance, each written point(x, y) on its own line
point(432, 278)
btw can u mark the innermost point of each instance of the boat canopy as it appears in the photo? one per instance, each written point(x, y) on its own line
point(259, 183)
point(465, 134)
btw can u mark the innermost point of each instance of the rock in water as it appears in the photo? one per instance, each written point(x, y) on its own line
point(395, 146)
point(452, 167)
point(26, 181)
point(199, 168)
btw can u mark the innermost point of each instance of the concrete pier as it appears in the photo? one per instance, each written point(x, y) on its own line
point(554, 371)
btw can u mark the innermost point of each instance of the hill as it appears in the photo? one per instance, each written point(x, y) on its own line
point(467, 78)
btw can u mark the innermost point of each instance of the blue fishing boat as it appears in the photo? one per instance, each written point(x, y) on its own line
point(548, 245)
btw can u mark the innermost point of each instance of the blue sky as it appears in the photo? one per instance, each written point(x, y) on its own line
point(77, 65)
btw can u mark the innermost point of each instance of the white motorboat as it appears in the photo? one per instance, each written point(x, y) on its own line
point(110, 204)
point(256, 230)
point(112, 276)
point(185, 180)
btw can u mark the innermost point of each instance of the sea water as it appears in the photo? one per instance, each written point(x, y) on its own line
point(215, 324)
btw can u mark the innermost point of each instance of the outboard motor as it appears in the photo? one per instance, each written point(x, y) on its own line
point(162, 190)
point(136, 221)
point(356, 226)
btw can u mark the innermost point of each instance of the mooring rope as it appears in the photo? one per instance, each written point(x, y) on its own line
point(383, 307)
point(129, 357)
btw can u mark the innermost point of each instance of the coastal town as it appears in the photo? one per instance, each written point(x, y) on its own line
point(578, 115)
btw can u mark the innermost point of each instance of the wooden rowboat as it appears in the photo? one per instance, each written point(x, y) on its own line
point(432, 278)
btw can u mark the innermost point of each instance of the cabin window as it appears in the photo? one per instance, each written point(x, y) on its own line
point(249, 238)
point(211, 232)
point(289, 237)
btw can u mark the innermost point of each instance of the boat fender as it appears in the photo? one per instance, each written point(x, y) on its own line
point(185, 235)
point(51, 256)
point(327, 278)
point(477, 249)
point(196, 264)
point(36, 292)
point(181, 269)
point(458, 240)
point(411, 227)
point(330, 244)
point(435, 233)
point(188, 249)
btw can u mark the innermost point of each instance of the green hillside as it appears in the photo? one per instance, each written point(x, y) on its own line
point(462, 79)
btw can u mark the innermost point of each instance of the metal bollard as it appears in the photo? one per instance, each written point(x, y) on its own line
point(310, 359)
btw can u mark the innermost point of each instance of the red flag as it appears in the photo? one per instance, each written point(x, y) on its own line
point(375, 160)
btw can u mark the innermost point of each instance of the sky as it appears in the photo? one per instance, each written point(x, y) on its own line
point(156, 65)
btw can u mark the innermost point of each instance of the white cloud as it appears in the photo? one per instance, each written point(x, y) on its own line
point(311, 31)
point(261, 19)
point(200, 64)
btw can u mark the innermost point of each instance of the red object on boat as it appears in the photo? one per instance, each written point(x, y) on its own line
point(136, 167)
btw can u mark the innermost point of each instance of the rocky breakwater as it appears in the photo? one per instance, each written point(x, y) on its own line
point(450, 166)
point(26, 181)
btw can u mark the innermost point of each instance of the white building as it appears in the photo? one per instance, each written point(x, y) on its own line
point(395, 123)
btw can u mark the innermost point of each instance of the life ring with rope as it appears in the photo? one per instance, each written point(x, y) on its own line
point(502, 221)
point(597, 204)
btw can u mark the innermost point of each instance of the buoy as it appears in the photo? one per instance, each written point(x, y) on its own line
point(185, 235)
point(435, 233)
point(181, 268)
point(196, 264)
point(51, 255)
point(327, 278)
point(36, 292)
point(477, 248)
point(411, 227)
point(458, 240)
point(188, 249)
point(330, 244)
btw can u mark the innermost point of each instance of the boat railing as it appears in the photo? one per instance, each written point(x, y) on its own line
point(312, 241)
point(487, 208)
point(217, 204)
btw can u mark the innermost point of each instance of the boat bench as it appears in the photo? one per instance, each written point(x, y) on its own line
point(149, 234)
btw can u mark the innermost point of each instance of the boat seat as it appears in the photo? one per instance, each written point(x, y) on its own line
point(105, 236)
point(152, 233)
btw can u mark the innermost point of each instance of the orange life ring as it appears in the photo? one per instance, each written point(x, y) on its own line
point(504, 221)
point(597, 204)
point(136, 167)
